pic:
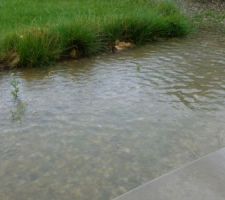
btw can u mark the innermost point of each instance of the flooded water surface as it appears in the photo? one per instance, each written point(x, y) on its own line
point(96, 128)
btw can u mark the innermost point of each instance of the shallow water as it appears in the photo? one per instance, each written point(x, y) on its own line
point(96, 128)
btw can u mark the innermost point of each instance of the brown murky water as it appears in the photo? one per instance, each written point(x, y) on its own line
point(96, 128)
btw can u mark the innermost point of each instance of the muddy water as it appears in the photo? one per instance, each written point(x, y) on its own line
point(96, 128)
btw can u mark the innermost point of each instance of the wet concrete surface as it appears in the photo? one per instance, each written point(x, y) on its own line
point(203, 179)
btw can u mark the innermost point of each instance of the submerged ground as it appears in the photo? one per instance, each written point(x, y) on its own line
point(96, 128)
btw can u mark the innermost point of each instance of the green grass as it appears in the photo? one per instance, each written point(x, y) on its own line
point(41, 32)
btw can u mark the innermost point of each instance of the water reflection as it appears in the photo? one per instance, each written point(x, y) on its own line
point(18, 112)
point(97, 128)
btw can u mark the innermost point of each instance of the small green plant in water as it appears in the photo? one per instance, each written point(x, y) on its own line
point(20, 106)
point(15, 87)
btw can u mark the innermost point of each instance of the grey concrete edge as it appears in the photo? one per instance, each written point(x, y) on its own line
point(169, 173)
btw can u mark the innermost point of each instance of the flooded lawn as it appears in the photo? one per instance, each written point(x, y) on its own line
point(94, 129)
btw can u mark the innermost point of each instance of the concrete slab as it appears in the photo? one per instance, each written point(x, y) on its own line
point(203, 179)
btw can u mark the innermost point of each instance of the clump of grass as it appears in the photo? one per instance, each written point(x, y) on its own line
point(34, 46)
point(175, 26)
point(73, 28)
point(81, 38)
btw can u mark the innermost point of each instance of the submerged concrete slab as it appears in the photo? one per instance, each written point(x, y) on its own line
point(203, 179)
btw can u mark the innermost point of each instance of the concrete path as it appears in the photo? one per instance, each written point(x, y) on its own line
point(203, 179)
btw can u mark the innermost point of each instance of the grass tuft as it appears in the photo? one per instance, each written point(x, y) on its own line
point(34, 47)
point(79, 37)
